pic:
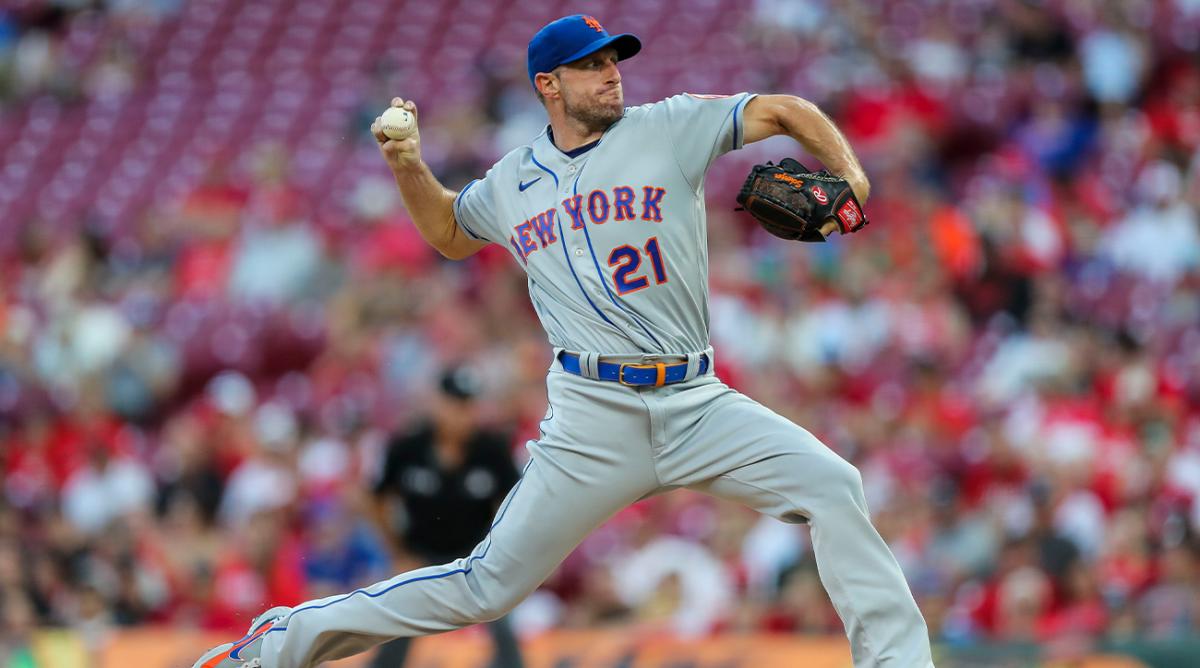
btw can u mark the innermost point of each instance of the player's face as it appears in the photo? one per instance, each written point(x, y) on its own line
point(591, 89)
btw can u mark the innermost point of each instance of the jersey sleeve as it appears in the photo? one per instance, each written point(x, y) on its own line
point(702, 128)
point(475, 207)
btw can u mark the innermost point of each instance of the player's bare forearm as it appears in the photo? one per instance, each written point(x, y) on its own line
point(431, 207)
point(429, 204)
point(771, 115)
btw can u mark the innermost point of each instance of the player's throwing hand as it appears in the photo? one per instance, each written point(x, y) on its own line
point(401, 154)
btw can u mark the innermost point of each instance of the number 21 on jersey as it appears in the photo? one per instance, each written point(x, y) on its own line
point(628, 260)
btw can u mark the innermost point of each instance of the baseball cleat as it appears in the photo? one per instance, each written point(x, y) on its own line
point(244, 653)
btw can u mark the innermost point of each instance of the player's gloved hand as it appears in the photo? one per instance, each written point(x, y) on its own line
point(401, 154)
point(794, 203)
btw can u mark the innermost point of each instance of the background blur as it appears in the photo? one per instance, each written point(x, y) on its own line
point(214, 312)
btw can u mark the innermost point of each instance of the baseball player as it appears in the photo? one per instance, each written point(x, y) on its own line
point(605, 212)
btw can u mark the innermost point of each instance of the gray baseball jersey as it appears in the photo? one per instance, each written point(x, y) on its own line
point(615, 245)
point(613, 240)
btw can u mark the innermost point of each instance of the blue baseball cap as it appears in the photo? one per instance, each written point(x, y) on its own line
point(571, 38)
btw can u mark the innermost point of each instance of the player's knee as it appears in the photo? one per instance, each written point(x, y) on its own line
point(849, 475)
point(495, 594)
point(844, 479)
point(498, 603)
point(828, 486)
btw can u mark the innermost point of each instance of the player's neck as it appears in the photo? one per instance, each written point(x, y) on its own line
point(569, 134)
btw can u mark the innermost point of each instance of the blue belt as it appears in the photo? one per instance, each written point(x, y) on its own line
point(635, 375)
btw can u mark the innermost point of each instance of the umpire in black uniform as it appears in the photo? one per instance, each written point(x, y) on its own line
point(441, 484)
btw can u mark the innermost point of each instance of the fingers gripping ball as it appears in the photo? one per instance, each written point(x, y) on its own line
point(397, 123)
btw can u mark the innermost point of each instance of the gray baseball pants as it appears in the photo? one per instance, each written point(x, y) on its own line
point(603, 447)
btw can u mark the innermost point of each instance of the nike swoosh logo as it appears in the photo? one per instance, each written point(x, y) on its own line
point(525, 186)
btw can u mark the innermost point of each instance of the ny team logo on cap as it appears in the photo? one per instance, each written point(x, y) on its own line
point(571, 38)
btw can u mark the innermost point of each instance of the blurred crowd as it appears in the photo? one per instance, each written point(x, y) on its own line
point(194, 404)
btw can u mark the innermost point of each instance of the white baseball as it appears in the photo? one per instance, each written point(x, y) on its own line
point(397, 123)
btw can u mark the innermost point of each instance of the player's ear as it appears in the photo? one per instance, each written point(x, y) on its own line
point(547, 84)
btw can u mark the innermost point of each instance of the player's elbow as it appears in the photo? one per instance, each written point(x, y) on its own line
point(455, 244)
point(791, 111)
point(452, 253)
point(459, 247)
point(772, 115)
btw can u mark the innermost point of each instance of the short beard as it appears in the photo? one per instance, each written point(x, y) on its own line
point(592, 115)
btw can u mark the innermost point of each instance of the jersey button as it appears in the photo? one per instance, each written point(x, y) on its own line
point(571, 169)
point(578, 252)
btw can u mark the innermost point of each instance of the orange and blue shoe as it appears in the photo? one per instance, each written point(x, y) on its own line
point(247, 652)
